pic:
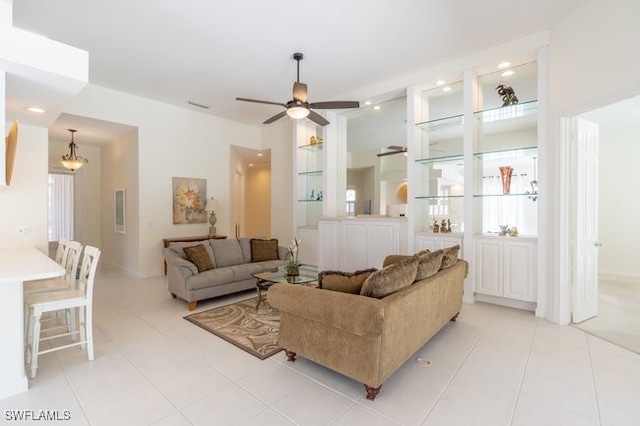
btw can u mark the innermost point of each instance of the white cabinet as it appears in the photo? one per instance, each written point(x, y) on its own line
point(350, 244)
point(505, 271)
point(433, 242)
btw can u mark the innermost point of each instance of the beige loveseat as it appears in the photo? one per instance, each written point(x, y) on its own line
point(368, 338)
point(226, 268)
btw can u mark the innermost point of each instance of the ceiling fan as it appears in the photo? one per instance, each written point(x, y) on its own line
point(298, 107)
point(394, 149)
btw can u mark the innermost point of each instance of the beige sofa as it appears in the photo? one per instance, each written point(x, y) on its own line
point(232, 263)
point(367, 338)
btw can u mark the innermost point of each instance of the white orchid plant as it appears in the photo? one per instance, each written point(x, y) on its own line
point(293, 251)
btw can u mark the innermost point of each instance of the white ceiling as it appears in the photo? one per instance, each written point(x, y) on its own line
point(209, 52)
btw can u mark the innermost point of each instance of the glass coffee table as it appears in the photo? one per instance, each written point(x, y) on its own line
point(264, 280)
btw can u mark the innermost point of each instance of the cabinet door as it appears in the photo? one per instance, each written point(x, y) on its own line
point(425, 243)
point(382, 240)
point(519, 270)
point(489, 267)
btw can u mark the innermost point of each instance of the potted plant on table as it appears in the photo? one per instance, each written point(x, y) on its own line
point(293, 266)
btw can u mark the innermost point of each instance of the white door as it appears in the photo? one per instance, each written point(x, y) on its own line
point(585, 284)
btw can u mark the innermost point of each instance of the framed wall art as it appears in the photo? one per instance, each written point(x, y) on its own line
point(119, 202)
point(189, 200)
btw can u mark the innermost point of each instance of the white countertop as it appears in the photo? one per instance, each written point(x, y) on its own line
point(26, 264)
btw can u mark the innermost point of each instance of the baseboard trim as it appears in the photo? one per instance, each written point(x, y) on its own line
point(511, 303)
point(618, 277)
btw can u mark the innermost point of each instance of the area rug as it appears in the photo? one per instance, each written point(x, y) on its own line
point(240, 324)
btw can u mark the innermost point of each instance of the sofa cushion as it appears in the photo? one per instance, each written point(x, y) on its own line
point(210, 278)
point(244, 271)
point(262, 250)
point(178, 247)
point(199, 256)
point(428, 264)
point(450, 256)
point(391, 279)
point(393, 258)
point(245, 246)
point(345, 282)
point(227, 252)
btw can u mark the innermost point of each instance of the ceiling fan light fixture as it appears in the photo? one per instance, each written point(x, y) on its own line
point(297, 112)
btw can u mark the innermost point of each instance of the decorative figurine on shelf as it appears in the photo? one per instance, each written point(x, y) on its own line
point(320, 141)
point(319, 197)
point(513, 231)
point(436, 227)
point(508, 95)
point(313, 140)
point(503, 230)
point(312, 196)
point(448, 225)
point(443, 226)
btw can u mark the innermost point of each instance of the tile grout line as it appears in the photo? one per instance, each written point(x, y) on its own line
point(524, 373)
point(457, 370)
point(593, 378)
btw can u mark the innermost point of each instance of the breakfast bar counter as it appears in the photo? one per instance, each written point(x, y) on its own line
point(17, 265)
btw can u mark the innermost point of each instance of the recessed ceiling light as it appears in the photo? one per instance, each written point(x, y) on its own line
point(37, 110)
point(376, 107)
point(250, 164)
point(440, 82)
point(446, 89)
point(503, 65)
point(260, 154)
point(507, 73)
point(367, 103)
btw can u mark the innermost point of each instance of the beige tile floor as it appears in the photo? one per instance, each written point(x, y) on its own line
point(494, 366)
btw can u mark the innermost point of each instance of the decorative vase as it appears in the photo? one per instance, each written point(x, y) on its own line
point(505, 175)
point(212, 221)
point(293, 270)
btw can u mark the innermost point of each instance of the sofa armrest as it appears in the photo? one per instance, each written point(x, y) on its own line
point(359, 315)
point(173, 259)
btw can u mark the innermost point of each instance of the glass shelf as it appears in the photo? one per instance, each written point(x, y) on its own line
point(437, 197)
point(309, 201)
point(506, 195)
point(445, 158)
point(442, 123)
point(526, 151)
point(311, 147)
point(522, 109)
point(311, 173)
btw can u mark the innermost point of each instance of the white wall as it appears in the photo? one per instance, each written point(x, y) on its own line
point(120, 171)
point(24, 202)
point(619, 202)
point(594, 61)
point(278, 137)
point(172, 142)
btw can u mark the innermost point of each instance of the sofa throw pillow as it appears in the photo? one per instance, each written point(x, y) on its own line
point(428, 264)
point(227, 252)
point(199, 256)
point(262, 250)
point(450, 256)
point(391, 279)
point(345, 282)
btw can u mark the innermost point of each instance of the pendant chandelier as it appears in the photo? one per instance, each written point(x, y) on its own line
point(72, 161)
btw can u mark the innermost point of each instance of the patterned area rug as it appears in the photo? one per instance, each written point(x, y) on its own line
point(240, 324)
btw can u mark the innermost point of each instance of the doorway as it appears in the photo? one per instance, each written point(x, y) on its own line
point(618, 280)
point(251, 192)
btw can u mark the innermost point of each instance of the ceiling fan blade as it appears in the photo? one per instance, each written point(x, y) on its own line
point(317, 118)
point(382, 154)
point(335, 104)
point(261, 102)
point(276, 117)
point(396, 147)
point(300, 92)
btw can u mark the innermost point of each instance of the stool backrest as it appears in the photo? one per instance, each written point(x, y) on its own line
point(88, 270)
point(62, 251)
